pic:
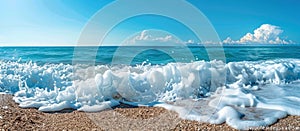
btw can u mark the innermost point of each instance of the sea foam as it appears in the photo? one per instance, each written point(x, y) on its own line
point(242, 94)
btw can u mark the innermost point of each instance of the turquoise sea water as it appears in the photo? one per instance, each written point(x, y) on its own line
point(104, 55)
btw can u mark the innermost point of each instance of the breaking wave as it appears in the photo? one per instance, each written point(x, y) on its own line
point(229, 88)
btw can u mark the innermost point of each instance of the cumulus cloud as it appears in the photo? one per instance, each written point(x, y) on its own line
point(265, 34)
point(153, 38)
point(161, 38)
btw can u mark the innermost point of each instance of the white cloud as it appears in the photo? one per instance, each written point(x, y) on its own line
point(228, 40)
point(161, 38)
point(143, 36)
point(151, 37)
point(265, 34)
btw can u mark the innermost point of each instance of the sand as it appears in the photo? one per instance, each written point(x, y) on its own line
point(123, 117)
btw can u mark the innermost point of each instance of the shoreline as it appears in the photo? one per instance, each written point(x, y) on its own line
point(123, 117)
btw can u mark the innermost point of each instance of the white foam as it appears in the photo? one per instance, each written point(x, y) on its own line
point(231, 89)
point(100, 107)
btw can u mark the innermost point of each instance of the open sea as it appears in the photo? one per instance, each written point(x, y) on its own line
point(231, 84)
point(105, 54)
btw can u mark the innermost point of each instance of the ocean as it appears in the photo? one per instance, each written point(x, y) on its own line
point(105, 54)
point(229, 84)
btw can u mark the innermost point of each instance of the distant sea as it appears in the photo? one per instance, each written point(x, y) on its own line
point(154, 55)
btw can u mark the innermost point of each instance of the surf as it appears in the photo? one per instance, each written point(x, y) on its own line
point(233, 88)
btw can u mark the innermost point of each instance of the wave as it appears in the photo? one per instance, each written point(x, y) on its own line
point(227, 87)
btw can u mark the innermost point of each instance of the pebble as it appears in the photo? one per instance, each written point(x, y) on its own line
point(5, 107)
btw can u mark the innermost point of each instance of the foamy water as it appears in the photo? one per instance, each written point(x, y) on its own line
point(242, 94)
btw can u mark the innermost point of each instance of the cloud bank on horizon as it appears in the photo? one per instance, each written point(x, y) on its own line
point(153, 38)
point(265, 34)
point(157, 38)
point(145, 36)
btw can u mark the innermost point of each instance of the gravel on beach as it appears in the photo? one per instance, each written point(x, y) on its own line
point(123, 117)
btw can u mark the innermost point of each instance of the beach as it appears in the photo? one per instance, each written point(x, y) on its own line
point(54, 94)
point(122, 117)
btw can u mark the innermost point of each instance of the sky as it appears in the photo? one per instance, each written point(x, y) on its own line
point(60, 23)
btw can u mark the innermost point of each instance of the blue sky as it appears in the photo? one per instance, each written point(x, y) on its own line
point(56, 22)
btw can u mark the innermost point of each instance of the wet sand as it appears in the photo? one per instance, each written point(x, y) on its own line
point(123, 117)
